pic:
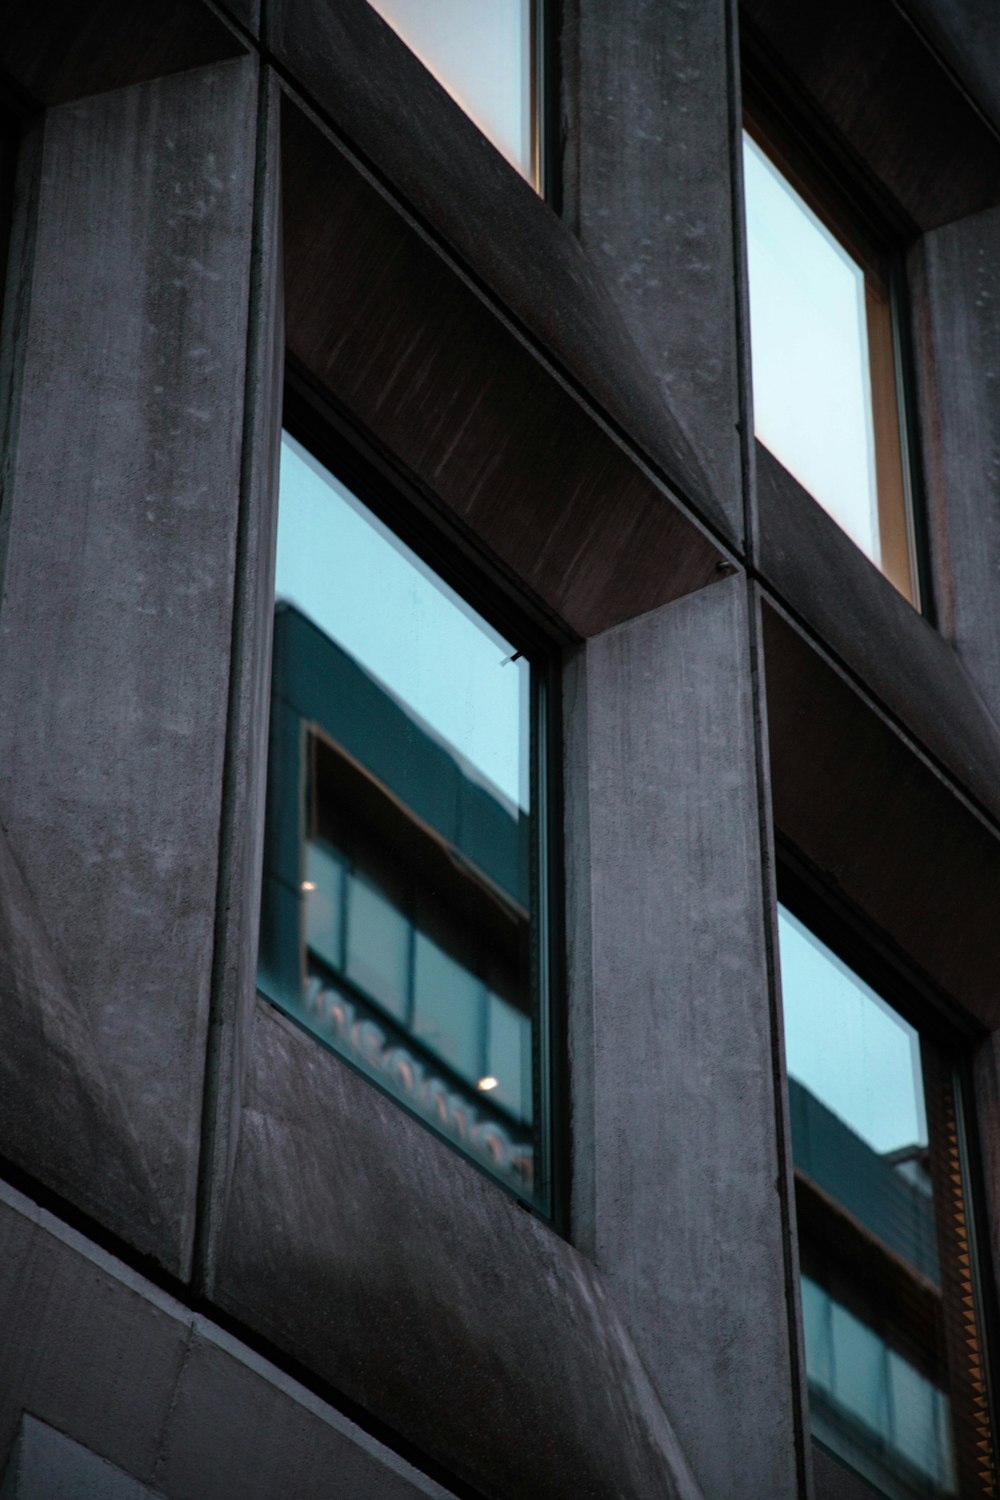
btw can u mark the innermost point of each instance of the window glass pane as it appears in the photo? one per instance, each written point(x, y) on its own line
point(480, 50)
point(396, 921)
point(887, 1293)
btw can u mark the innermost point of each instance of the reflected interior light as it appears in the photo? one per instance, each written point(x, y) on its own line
point(487, 1083)
point(308, 885)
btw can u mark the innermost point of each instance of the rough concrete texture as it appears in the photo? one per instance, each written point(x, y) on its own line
point(242, 843)
point(115, 624)
point(46, 1465)
point(648, 187)
point(57, 50)
point(365, 80)
point(413, 1284)
point(959, 342)
point(161, 1393)
point(676, 1195)
point(815, 569)
point(967, 34)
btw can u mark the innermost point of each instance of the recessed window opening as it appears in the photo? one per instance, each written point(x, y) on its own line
point(484, 53)
point(402, 919)
point(825, 353)
point(895, 1353)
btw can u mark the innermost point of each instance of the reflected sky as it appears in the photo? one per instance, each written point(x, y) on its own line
point(847, 1046)
point(811, 374)
point(365, 590)
point(480, 50)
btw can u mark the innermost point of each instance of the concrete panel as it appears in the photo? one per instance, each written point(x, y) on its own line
point(647, 186)
point(827, 582)
point(115, 624)
point(958, 331)
point(172, 1402)
point(57, 50)
point(47, 1465)
point(379, 97)
point(401, 1275)
point(676, 1159)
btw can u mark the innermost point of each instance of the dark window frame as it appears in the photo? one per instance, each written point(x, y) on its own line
point(413, 515)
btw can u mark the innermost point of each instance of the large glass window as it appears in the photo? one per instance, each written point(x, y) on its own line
point(401, 918)
point(894, 1351)
point(825, 356)
point(483, 52)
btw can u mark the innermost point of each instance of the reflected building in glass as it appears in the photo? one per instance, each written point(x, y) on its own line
point(891, 1321)
point(397, 920)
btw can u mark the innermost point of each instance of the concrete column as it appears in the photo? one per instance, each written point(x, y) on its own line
point(647, 180)
point(678, 1193)
point(958, 359)
point(118, 548)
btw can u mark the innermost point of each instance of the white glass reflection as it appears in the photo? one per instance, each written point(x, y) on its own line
point(809, 336)
point(480, 50)
point(432, 651)
point(849, 1048)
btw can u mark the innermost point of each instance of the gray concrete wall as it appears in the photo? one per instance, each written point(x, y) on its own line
point(161, 1393)
point(677, 1191)
point(118, 544)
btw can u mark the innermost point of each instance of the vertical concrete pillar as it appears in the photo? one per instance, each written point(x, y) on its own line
point(647, 182)
point(119, 546)
point(678, 1194)
point(958, 348)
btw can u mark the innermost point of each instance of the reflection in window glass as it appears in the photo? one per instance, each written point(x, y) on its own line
point(480, 50)
point(396, 920)
point(893, 1356)
point(824, 381)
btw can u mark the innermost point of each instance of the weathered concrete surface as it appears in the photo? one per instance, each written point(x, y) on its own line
point(118, 543)
point(46, 1465)
point(815, 569)
point(647, 184)
point(675, 1135)
point(375, 92)
point(161, 1393)
point(242, 843)
point(57, 50)
point(413, 1284)
point(958, 332)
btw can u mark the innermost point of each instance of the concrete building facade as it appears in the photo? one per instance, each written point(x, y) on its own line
point(230, 1265)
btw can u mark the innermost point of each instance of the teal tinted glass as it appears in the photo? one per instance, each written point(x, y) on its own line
point(481, 51)
point(397, 920)
point(893, 1347)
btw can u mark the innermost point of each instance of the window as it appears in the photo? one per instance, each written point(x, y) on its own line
point(403, 922)
point(894, 1347)
point(484, 53)
point(826, 353)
